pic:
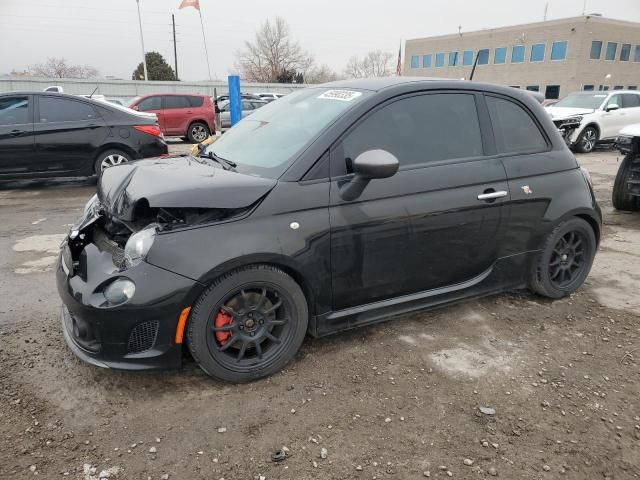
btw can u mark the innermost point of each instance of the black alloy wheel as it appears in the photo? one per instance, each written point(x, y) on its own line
point(564, 260)
point(248, 324)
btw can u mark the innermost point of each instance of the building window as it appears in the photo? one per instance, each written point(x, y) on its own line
point(467, 57)
point(619, 87)
point(625, 52)
point(453, 59)
point(426, 61)
point(587, 88)
point(612, 48)
point(559, 50)
point(603, 88)
point(537, 52)
point(415, 61)
point(533, 88)
point(596, 50)
point(636, 57)
point(483, 56)
point(552, 91)
point(515, 86)
point(500, 55)
point(439, 60)
point(517, 54)
point(632, 87)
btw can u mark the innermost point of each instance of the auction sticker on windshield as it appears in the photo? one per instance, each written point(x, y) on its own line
point(341, 95)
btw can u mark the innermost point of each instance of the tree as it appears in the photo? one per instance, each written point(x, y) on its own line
point(273, 55)
point(157, 68)
point(374, 64)
point(320, 74)
point(58, 68)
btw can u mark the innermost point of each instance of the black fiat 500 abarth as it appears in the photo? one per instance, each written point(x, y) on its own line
point(337, 206)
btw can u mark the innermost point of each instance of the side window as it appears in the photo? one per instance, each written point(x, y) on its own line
point(246, 105)
point(195, 102)
point(150, 103)
point(419, 130)
point(513, 128)
point(176, 101)
point(14, 110)
point(630, 100)
point(54, 109)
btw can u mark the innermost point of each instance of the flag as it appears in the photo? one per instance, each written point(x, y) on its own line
point(399, 66)
point(190, 3)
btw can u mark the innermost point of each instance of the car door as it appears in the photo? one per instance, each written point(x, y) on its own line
point(614, 120)
point(631, 105)
point(177, 114)
point(17, 150)
point(68, 133)
point(428, 226)
point(153, 105)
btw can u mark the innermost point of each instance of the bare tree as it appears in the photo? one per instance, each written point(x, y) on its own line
point(374, 64)
point(59, 68)
point(320, 74)
point(273, 54)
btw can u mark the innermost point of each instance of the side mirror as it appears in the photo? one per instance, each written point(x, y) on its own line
point(367, 166)
point(612, 106)
point(135, 107)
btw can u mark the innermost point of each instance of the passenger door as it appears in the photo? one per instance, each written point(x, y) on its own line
point(67, 134)
point(427, 226)
point(17, 151)
point(177, 114)
point(153, 105)
point(614, 120)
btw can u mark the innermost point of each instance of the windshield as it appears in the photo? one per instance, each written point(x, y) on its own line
point(592, 101)
point(266, 142)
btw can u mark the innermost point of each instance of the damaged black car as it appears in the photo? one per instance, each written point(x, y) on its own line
point(337, 206)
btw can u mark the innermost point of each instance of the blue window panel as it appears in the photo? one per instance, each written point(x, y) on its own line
point(415, 61)
point(537, 52)
point(439, 60)
point(453, 59)
point(426, 60)
point(517, 54)
point(588, 87)
point(636, 57)
point(500, 55)
point(483, 56)
point(467, 57)
point(612, 48)
point(625, 52)
point(533, 88)
point(596, 50)
point(559, 50)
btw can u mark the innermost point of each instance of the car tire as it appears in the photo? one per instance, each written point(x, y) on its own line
point(248, 324)
point(587, 140)
point(565, 259)
point(198, 132)
point(621, 199)
point(109, 158)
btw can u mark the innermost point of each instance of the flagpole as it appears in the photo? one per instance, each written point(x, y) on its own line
point(144, 58)
point(205, 44)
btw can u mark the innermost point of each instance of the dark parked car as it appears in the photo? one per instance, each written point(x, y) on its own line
point(334, 207)
point(53, 134)
point(188, 116)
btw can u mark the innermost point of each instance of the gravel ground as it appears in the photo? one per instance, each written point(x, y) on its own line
point(397, 400)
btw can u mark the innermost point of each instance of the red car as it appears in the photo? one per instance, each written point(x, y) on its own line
point(189, 116)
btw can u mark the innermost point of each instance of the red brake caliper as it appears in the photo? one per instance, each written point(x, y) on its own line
point(221, 320)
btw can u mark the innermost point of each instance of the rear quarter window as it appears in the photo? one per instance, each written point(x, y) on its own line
point(196, 101)
point(513, 128)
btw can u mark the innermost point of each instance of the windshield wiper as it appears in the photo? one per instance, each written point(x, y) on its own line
point(226, 164)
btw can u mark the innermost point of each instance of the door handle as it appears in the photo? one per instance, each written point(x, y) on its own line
point(16, 133)
point(492, 195)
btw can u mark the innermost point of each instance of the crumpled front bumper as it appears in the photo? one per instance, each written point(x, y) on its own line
point(137, 335)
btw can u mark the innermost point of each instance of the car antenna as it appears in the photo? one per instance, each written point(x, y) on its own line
point(94, 91)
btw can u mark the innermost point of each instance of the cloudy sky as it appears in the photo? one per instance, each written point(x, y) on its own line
point(104, 34)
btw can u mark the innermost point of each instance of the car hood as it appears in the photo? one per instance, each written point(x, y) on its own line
point(565, 112)
point(177, 182)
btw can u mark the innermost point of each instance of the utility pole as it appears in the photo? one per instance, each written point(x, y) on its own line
point(175, 50)
point(144, 57)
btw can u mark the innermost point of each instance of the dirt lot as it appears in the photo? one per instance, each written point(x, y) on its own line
point(396, 400)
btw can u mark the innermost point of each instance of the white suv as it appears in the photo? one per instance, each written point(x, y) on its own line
point(595, 116)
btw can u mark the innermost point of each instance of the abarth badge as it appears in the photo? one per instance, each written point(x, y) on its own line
point(294, 225)
point(526, 189)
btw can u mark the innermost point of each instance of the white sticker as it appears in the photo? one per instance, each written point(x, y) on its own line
point(341, 95)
